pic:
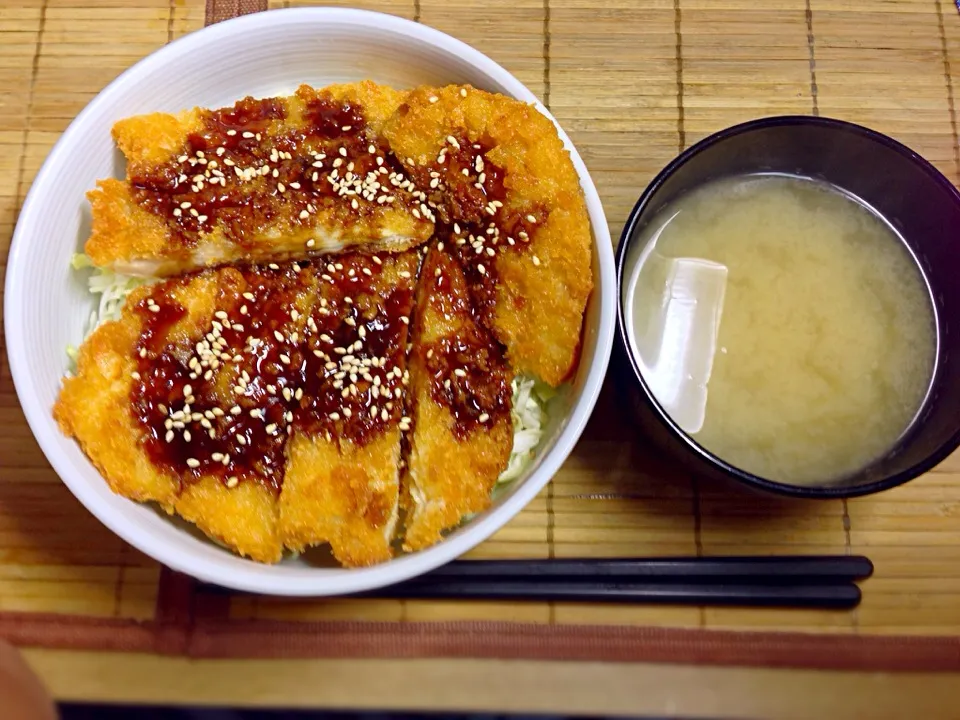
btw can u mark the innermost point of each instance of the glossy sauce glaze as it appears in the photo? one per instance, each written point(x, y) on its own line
point(274, 160)
point(475, 223)
point(226, 402)
point(466, 368)
point(243, 169)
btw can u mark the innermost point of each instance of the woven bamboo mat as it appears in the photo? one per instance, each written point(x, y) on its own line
point(633, 82)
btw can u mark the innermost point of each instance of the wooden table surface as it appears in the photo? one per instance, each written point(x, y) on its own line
point(633, 82)
point(500, 686)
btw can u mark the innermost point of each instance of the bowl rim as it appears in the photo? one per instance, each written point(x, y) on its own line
point(662, 416)
point(271, 579)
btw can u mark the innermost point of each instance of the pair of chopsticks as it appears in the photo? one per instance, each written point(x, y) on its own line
point(791, 581)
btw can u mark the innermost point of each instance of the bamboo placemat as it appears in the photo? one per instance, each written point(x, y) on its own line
point(633, 83)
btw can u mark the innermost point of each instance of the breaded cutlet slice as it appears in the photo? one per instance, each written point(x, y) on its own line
point(460, 391)
point(153, 405)
point(262, 181)
point(94, 404)
point(342, 478)
point(500, 177)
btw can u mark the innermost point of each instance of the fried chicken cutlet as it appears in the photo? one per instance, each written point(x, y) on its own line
point(460, 391)
point(193, 396)
point(262, 181)
point(506, 192)
point(342, 480)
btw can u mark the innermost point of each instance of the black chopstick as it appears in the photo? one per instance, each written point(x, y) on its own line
point(832, 596)
point(758, 569)
point(824, 581)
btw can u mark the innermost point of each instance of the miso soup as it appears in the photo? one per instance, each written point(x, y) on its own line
point(784, 325)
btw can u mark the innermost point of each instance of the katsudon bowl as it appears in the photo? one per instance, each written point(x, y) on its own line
point(48, 304)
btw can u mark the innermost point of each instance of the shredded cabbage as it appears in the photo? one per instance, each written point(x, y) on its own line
point(112, 288)
point(529, 416)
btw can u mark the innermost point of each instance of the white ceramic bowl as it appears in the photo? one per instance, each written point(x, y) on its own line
point(47, 305)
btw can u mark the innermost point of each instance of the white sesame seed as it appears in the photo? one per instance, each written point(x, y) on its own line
point(460, 372)
point(271, 429)
point(463, 92)
point(536, 260)
point(193, 462)
point(433, 98)
point(232, 481)
point(303, 216)
point(483, 417)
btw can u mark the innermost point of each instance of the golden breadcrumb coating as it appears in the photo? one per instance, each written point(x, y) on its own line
point(266, 180)
point(305, 381)
point(342, 494)
point(462, 436)
point(340, 491)
point(243, 518)
point(95, 407)
point(542, 285)
point(92, 407)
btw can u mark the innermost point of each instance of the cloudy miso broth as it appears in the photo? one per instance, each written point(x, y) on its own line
point(783, 325)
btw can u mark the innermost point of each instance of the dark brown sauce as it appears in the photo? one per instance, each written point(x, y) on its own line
point(472, 235)
point(481, 395)
point(287, 387)
point(470, 196)
point(257, 134)
point(468, 372)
